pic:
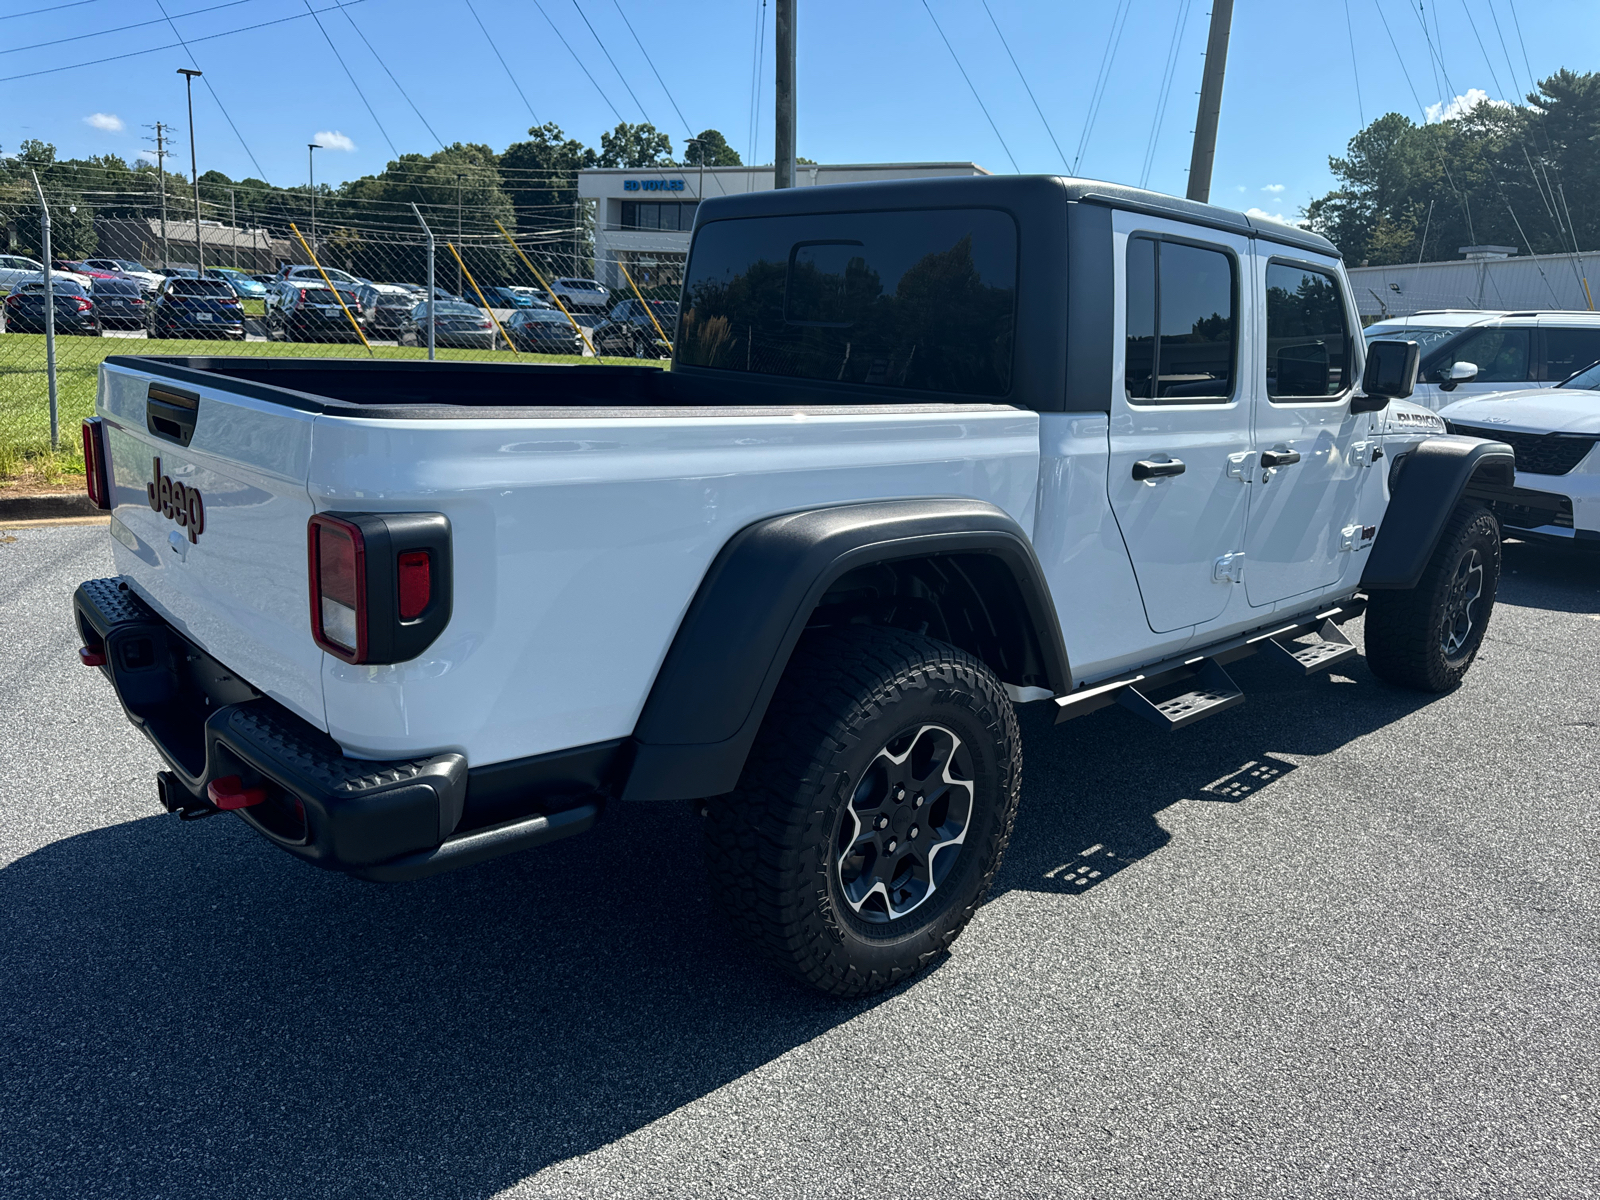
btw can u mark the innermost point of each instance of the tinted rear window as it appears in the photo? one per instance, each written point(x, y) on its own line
point(917, 300)
point(116, 287)
point(201, 287)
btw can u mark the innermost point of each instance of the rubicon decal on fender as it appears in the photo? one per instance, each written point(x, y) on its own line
point(175, 501)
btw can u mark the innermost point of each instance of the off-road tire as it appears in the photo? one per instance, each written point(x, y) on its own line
point(1407, 641)
point(773, 845)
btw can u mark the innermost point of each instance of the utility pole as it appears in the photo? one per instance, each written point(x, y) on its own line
point(459, 178)
point(1205, 125)
point(49, 315)
point(233, 227)
point(161, 182)
point(188, 74)
point(311, 174)
point(783, 144)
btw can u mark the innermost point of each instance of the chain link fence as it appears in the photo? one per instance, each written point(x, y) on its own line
point(280, 279)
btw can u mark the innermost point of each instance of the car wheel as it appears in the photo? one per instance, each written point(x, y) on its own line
point(641, 347)
point(1427, 637)
point(873, 810)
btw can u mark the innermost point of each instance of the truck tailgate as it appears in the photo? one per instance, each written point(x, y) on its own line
point(232, 578)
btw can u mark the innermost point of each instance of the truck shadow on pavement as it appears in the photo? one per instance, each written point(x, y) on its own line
point(186, 1012)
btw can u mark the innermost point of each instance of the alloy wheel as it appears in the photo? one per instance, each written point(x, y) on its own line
point(1462, 594)
point(901, 833)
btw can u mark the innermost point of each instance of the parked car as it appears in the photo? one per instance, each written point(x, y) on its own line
point(245, 284)
point(543, 331)
point(387, 308)
point(1470, 352)
point(131, 267)
point(540, 297)
point(299, 271)
point(74, 307)
point(505, 297)
point(120, 303)
point(583, 593)
point(463, 326)
point(1554, 432)
point(590, 295)
point(630, 331)
point(14, 269)
point(197, 308)
point(299, 310)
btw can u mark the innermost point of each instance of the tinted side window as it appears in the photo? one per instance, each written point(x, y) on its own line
point(1569, 350)
point(1182, 332)
point(921, 300)
point(1500, 353)
point(1308, 339)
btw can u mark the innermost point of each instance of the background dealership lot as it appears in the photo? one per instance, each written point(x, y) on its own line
point(1340, 941)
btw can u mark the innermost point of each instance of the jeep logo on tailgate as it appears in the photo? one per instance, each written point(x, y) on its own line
point(171, 499)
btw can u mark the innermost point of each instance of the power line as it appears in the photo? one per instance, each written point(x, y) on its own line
point(393, 80)
point(1354, 70)
point(754, 110)
point(345, 67)
point(1024, 79)
point(206, 80)
point(180, 44)
point(78, 37)
point(628, 87)
point(54, 8)
point(975, 95)
point(1119, 22)
point(501, 57)
point(578, 60)
point(1179, 24)
point(1516, 22)
point(648, 59)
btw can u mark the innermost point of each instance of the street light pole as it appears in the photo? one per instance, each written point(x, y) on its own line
point(233, 226)
point(311, 174)
point(459, 178)
point(188, 74)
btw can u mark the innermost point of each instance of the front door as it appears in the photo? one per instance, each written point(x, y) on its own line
point(1180, 422)
point(1304, 473)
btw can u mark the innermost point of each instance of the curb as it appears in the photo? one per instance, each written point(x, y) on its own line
point(47, 508)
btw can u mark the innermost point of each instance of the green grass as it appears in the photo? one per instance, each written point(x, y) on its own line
point(25, 451)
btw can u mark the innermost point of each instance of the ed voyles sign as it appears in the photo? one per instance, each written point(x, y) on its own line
point(652, 185)
point(178, 503)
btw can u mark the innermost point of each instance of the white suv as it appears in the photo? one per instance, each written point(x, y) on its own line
point(1470, 352)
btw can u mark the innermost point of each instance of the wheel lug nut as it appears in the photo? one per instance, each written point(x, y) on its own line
point(918, 802)
point(891, 846)
point(914, 832)
point(883, 822)
point(899, 794)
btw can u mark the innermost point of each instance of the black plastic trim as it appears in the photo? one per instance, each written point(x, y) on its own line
point(1426, 485)
point(1091, 314)
point(713, 688)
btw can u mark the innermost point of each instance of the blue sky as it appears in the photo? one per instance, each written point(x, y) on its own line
point(876, 81)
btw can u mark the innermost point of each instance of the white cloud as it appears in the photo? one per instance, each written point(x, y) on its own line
point(333, 140)
point(1461, 106)
point(1240, 188)
point(1264, 215)
point(109, 122)
point(1274, 188)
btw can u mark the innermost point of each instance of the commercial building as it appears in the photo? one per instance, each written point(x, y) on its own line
point(1492, 277)
point(643, 216)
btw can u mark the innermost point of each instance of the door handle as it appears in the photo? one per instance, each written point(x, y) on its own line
point(1279, 458)
point(1146, 469)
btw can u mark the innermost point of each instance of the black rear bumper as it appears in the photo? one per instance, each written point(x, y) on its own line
point(386, 821)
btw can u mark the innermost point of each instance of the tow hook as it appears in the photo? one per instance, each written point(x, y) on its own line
point(230, 792)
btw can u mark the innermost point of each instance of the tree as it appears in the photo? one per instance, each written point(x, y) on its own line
point(635, 146)
point(540, 175)
point(715, 148)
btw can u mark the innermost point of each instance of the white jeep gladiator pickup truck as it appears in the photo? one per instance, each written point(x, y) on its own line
point(926, 451)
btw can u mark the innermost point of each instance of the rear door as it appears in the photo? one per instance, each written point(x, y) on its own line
point(1305, 475)
point(1180, 424)
point(1568, 347)
point(209, 512)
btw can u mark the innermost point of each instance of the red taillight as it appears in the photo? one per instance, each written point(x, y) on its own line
point(84, 305)
point(302, 293)
point(96, 470)
point(416, 584)
point(338, 587)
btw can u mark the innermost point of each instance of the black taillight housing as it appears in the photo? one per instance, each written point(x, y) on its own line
point(380, 583)
point(96, 467)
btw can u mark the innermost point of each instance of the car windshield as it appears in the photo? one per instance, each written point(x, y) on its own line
point(200, 287)
point(1587, 379)
point(544, 317)
point(59, 287)
point(1426, 338)
point(128, 264)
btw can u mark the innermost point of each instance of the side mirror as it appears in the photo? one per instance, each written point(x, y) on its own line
point(1461, 372)
point(1390, 374)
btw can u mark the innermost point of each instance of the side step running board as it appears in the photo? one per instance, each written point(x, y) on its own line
point(1213, 691)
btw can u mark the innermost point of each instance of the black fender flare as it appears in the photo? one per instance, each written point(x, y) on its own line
point(720, 672)
point(1427, 483)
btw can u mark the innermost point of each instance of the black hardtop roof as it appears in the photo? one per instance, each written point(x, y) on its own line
point(1002, 191)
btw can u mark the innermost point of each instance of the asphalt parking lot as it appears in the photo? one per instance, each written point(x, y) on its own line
point(1340, 941)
